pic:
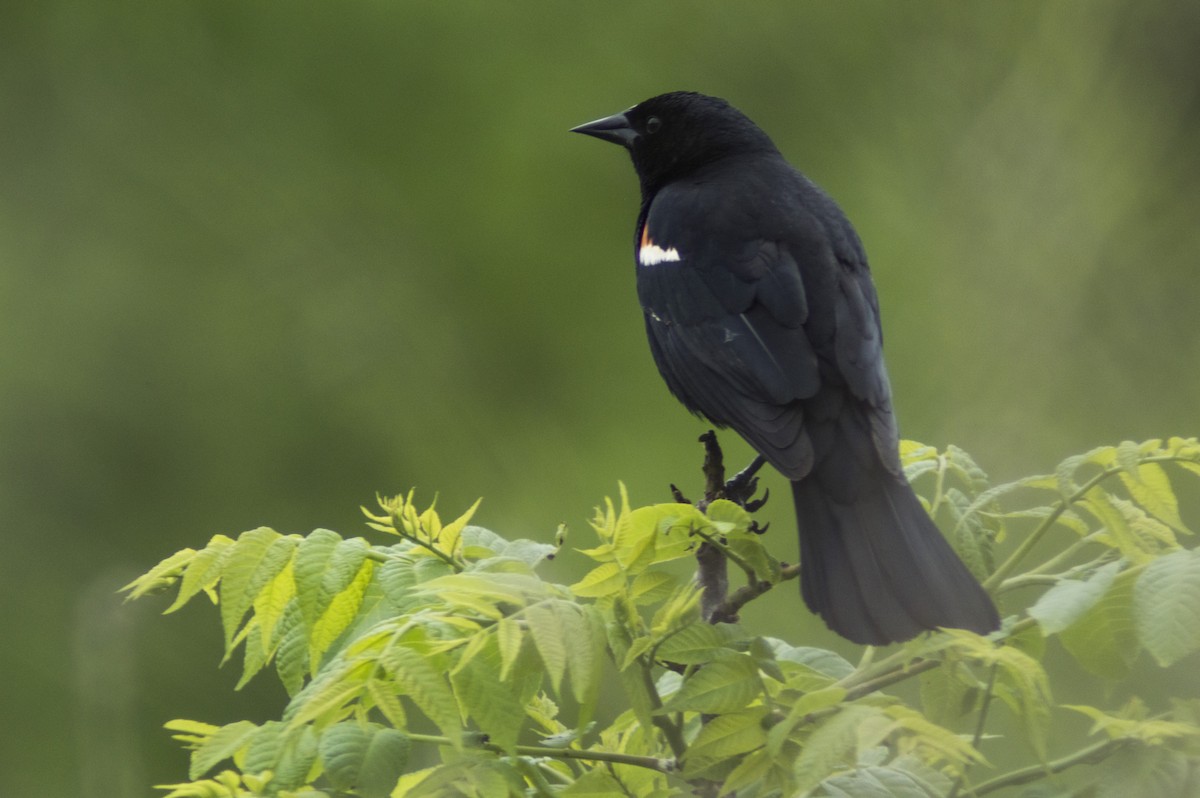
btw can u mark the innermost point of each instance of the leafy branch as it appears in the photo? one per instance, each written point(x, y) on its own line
point(449, 626)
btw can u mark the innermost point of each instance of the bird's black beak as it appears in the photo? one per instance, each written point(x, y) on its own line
point(615, 128)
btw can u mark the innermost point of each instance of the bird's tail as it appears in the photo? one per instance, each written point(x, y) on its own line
point(876, 568)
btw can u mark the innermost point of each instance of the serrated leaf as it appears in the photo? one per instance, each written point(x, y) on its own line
point(264, 747)
point(821, 660)
point(342, 747)
point(527, 551)
point(240, 580)
point(291, 656)
point(806, 705)
point(1065, 603)
point(832, 746)
point(1117, 531)
point(448, 538)
point(272, 603)
point(253, 655)
point(1104, 639)
point(1151, 731)
point(221, 744)
point(681, 608)
point(944, 693)
point(552, 624)
point(508, 638)
point(594, 783)
point(296, 759)
point(728, 518)
point(651, 586)
point(494, 705)
point(606, 579)
point(754, 769)
point(1147, 771)
point(366, 759)
point(1150, 487)
point(698, 642)
point(340, 612)
point(585, 660)
point(1023, 685)
point(427, 687)
point(726, 685)
point(1166, 606)
point(933, 739)
point(161, 576)
point(309, 567)
point(387, 702)
point(754, 554)
point(879, 782)
point(203, 570)
point(1065, 475)
point(724, 737)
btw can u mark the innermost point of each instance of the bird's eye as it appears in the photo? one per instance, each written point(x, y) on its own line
point(653, 124)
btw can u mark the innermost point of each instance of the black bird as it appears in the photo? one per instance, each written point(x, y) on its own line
point(762, 317)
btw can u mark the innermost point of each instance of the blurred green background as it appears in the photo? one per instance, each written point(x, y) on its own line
point(259, 261)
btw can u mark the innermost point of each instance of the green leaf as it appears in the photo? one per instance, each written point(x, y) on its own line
point(291, 657)
point(825, 662)
point(385, 760)
point(270, 605)
point(585, 661)
point(726, 685)
point(946, 693)
point(1023, 685)
point(296, 759)
point(595, 783)
point(387, 702)
point(652, 586)
point(1117, 531)
point(606, 579)
point(203, 570)
point(241, 580)
point(728, 518)
point(753, 552)
point(1147, 771)
point(753, 770)
point(724, 737)
point(806, 705)
point(265, 747)
point(509, 639)
point(935, 739)
point(879, 782)
point(222, 744)
point(340, 612)
point(1151, 731)
point(1151, 488)
point(1166, 606)
point(1065, 603)
point(555, 625)
point(494, 705)
point(1104, 639)
point(161, 576)
point(342, 747)
point(832, 746)
point(366, 759)
point(527, 551)
point(309, 569)
point(417, 678)
point(699, 642)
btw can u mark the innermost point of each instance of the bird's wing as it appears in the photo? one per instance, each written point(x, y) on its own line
point(772, 335)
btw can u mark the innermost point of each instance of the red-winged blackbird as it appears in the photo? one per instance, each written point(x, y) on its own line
point(762, 317)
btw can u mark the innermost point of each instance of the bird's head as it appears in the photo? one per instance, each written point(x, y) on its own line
point(672, 135)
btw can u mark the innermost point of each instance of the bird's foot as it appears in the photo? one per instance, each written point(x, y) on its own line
point(740, 489)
